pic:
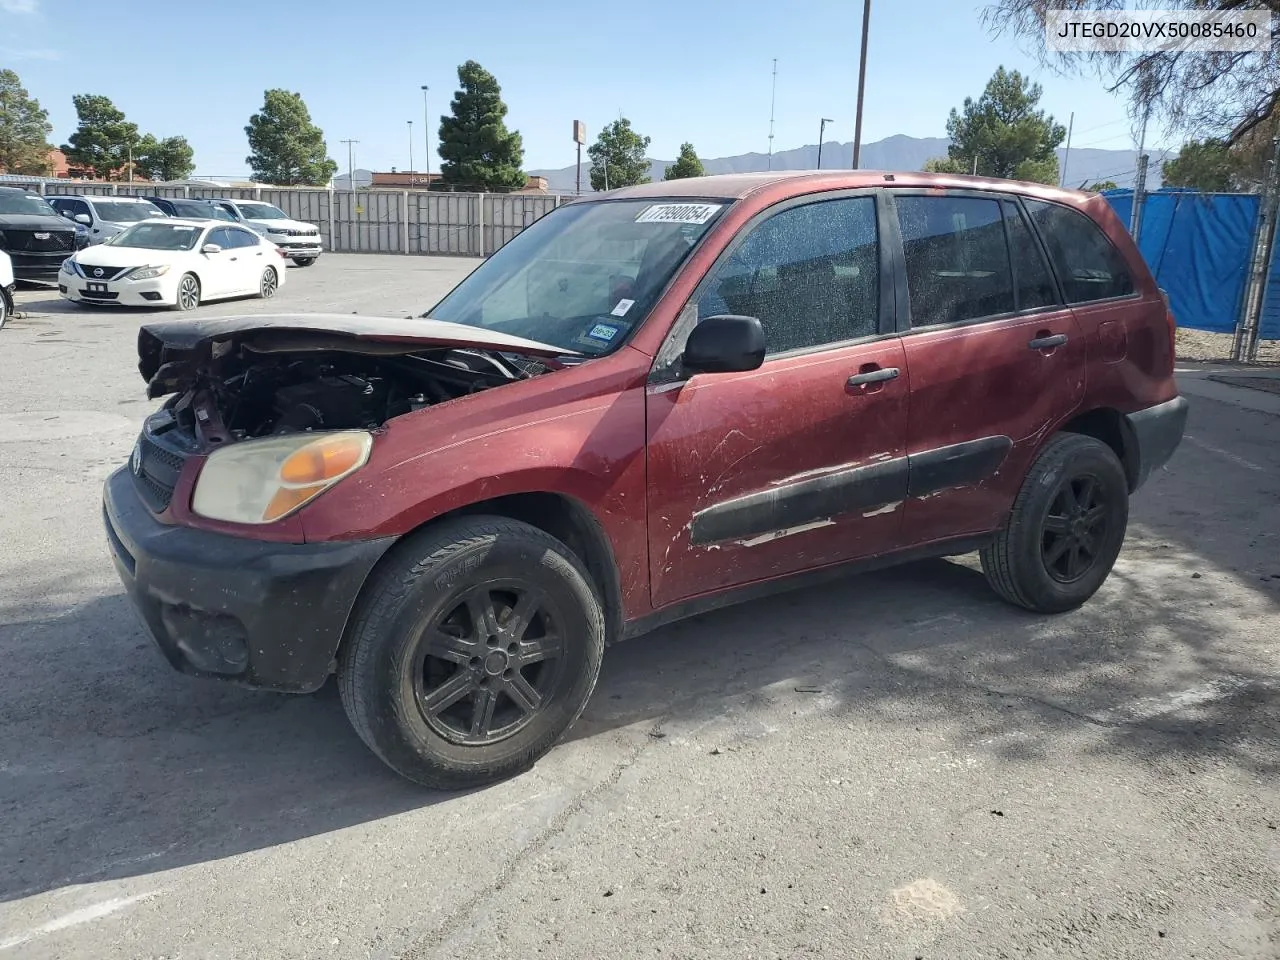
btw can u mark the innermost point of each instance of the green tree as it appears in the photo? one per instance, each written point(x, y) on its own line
point(686, 165)
point(102, 140)
point(1005, 131)
point(476, 149)
point(1207, 165)
point(1100, 185)
point(169, 159)
point(287, 148)
point(1217, 94)
point(618, 157)
point(946, 165)
point(24, 129)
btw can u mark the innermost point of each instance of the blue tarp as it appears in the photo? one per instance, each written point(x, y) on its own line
point(1198, 246)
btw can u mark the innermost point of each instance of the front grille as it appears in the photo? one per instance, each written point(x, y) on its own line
point(39, 241)
point(107, 273)
point(155, 470)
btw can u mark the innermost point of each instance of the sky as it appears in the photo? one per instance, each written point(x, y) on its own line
point(696, 70)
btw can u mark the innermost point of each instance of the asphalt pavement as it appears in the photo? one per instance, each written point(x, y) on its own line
point(897, 765)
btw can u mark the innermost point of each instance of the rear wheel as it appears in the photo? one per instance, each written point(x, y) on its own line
point(188, 292)
point(305, 261)
point(269, 283)
point(471, 652)
point(1065, 530)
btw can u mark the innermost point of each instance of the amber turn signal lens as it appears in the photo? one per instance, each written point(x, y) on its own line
point(286, 500)
point(325, 459)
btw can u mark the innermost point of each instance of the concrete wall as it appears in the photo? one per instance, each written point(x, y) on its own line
point(368, 221)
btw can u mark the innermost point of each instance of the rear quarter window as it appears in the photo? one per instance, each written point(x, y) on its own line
point(1088, 264)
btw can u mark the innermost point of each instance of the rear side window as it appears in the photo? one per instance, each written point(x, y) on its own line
point(957, 259)
point(1088, 264)
point(1033, 281)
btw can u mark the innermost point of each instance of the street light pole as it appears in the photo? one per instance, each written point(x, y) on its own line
point(862, 84)
point(426, 131)
point(822, 132)
point(411, 151)
point(351, 164)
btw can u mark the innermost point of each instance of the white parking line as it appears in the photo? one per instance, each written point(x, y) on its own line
point(1226, 455)
point(87, 914)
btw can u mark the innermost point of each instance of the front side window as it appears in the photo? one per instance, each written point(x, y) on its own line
point(956, 257)
point(157, 236)
point(585, 275)
point(222, 237)
point(242, 238)
point(1088, 264)
point(810, 274)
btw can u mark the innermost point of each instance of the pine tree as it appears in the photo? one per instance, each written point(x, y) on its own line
point(24, 129)
point(1005, 132)
point(686, 165)
point(169, 159)
point(476, 148)
point(288, 149)
point(101, 144)
point(618, 157)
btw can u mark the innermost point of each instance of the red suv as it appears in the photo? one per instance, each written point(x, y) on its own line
point(645, 406)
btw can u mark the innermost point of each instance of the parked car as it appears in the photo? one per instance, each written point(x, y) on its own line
point(7, 286)
point(176, 263)
point(105, 216)
point(299, 241)
point(192, 209)
point(648, 405)
point(35, 237)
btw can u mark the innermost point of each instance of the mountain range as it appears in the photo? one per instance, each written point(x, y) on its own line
point(1084, 166)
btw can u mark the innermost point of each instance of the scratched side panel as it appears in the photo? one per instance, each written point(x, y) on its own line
point(717, 438)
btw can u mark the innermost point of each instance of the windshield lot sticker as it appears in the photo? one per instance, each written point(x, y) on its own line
point(678, 213)
point(621, 309)
point(604, 331)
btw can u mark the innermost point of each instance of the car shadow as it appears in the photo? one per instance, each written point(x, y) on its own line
point(113, 766)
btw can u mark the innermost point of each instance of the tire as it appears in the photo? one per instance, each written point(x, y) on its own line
point(1065, 530)
point(269, 283)
point(305, 261)
point(188, 293)
point(436, 695)
point(6, 308)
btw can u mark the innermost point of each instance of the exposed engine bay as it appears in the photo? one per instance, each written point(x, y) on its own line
point(291, 393)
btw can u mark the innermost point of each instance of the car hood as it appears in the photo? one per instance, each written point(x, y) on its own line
point(104, 255)
point(283, 224)
point(171, 352)
point(28, 221)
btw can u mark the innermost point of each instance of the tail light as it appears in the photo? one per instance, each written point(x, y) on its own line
point(283, 255)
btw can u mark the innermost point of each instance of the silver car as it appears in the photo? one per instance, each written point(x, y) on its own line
point(105, 216)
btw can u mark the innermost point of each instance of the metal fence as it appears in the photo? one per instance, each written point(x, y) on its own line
point(367, 221)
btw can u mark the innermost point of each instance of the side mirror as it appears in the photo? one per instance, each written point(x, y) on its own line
point(724, 344)
point(211, 248)
point(82, 218)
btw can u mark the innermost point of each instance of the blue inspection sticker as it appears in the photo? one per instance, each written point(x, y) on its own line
point(604, 332)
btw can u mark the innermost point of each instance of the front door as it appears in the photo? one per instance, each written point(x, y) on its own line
point(218, 276)
point(800, 463)
point(996, 359)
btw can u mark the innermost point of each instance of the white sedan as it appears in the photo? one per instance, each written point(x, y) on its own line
point(174, 263)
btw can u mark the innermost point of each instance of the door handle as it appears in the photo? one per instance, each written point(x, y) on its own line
point(1047, 342)
point(873, 376)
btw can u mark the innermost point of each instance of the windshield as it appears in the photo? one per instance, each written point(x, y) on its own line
point(583, 276)
point(158, 236)
point(25, 204)
point(114, 211)
point(262, 211)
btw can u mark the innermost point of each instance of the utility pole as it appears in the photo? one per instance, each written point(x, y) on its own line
point(862, 84)
point(975, 164)
point(1140, 186)
point(1062, 178)
point(773, 99)
point(822, 130)
point(426, 132)
point(411, 151)
point(351, 164)
point(1244, 347)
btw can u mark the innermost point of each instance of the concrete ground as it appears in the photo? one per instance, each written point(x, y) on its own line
point(897, 766)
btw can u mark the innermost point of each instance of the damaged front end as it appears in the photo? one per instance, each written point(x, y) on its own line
point(233, 380)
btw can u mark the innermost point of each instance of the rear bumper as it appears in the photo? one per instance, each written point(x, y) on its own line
point(1157, 431)
point(257, 613)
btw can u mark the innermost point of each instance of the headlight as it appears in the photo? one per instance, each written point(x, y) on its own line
point(260, 481)
point(148, 273)
point(71, 267)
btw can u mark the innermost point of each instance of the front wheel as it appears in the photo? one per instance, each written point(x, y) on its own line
point(6, 308)
point(305, 261)
point(188, 292)
point(1065, 530)
point(269, 283)
point(472, 650)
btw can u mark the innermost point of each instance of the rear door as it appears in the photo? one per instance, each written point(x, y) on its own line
point(246, 260)
point(800, 463)
point(996, 359)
